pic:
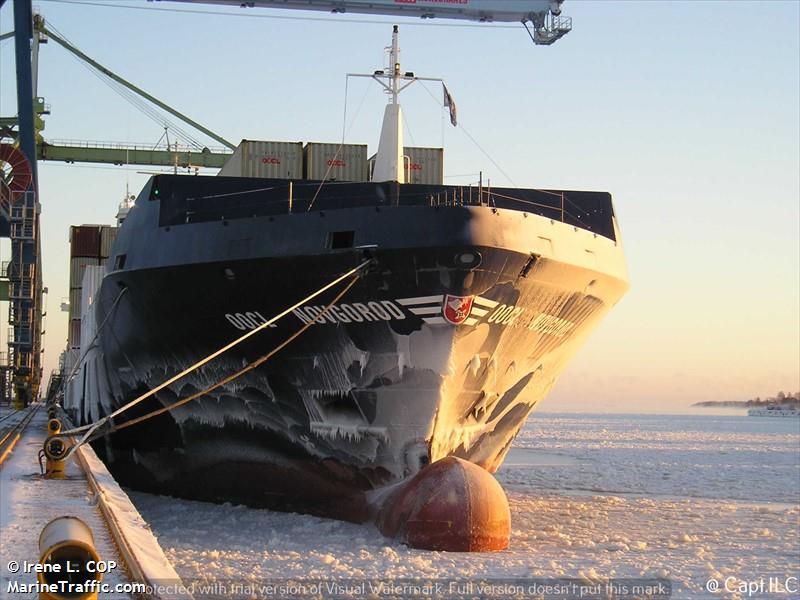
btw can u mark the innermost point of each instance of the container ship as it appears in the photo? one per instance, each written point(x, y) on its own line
point(466, 304)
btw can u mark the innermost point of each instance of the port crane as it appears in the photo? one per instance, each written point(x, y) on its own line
point(541, 18)
point(21, 147)
point(20, 206)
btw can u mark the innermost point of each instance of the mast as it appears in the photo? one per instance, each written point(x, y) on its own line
point(389, 160)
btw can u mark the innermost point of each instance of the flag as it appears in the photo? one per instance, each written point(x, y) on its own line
point(451, 104)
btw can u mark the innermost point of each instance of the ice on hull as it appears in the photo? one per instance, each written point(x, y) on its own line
point(441, 349)
point(349, 406)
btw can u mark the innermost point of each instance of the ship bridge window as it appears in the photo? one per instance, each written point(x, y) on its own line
point(119, 261)
point(338, 240)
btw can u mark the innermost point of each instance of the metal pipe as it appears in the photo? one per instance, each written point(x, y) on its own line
point(67, 554)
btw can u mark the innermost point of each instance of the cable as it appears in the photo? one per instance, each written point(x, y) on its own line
point(90, 429)
point(487, 155)
point(253, 365)
point(410, 133)
point(344, 112)
point(134, 99)
point(472, 139)
point(499, 168)
point(344, 135)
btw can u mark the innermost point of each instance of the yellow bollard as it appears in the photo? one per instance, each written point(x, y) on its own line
point(53, 426)
point(68, 556)
point(55, 452)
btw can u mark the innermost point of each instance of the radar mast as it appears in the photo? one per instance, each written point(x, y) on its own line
point(390, 160)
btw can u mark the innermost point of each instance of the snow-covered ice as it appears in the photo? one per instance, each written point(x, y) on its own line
point(715, 457)
point(678, 497)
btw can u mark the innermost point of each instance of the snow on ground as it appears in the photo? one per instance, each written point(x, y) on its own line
point(683, 498)
point(28, 502)
point(597, 536)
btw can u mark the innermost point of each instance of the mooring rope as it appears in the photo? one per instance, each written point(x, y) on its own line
point(249, 367)
point(92, 428)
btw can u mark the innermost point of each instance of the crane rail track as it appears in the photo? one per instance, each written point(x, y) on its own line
point(11, 430)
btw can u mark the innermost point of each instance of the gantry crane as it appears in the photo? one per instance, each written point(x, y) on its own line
point(21, 375)
point(21, 145)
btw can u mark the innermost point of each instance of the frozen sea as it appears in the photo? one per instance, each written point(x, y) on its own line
point(700, 501)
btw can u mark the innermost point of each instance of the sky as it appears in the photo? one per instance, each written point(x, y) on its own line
point(687, 112)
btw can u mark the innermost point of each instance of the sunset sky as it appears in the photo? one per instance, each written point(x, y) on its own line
point(687, 112)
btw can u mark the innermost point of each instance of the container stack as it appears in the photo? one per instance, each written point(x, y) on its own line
point(90, 246)
point(330, 162)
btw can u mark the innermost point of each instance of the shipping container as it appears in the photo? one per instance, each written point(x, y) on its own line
point(71, 358)
point(336, 162)
point(88, 328)
point(74, 337)
point(107, 236)
point(84, 240)
point(92, 278)
point(75, 296)
point(76, 266)
point(424, 165)
point(277, 160)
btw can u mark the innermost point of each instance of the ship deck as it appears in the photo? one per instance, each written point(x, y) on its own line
point(190, 199)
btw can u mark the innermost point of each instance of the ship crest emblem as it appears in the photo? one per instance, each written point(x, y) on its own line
point(456, 309)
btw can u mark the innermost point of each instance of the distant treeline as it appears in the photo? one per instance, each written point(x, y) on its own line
point(781, 398)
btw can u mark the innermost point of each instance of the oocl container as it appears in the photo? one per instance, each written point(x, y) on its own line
point(84, 240)
point(424, 165)
point(336, 162)
point(276, 160)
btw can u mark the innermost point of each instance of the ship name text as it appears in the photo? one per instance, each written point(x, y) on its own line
point(433, 310)
point(355, 312)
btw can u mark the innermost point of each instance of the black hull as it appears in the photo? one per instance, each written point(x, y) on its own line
point(441, 348)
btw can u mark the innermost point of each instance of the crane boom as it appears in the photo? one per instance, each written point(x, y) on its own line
point(544, 15)
point(108, 73)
